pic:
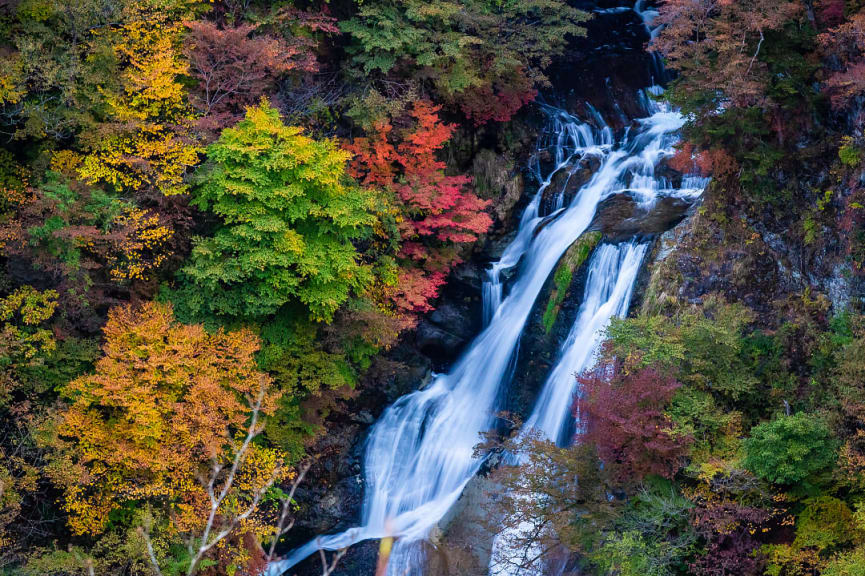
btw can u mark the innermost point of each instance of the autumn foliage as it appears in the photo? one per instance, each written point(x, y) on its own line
point(218, 217)
point(87, 236)
point(846, 43)
point(236, 66)
point(624, 417)
point(484, 58)
point(146, 142)
point(436, 211)
point(720, 42)
point(196, 275)
point(498, 100)
point(165, 402)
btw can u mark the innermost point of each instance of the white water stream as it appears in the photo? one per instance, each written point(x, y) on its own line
point(569, 140)
point(612, 274)
point(419, 455)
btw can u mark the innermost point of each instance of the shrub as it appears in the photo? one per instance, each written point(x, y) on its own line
point(850, 564)
point(790, 449)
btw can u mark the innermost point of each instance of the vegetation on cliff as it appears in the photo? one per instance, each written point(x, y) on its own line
point(215, 215)
point(211, 224)
point(724, 421)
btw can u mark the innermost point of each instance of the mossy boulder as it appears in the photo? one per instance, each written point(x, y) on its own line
point(563, 276)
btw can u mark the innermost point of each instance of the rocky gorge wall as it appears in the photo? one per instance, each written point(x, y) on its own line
point(604, 70)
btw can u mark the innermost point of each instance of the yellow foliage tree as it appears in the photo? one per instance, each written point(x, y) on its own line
point(148, 142)
point(166, 423)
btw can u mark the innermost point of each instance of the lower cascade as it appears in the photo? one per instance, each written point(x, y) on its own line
point(420, 454)
point(612, 274)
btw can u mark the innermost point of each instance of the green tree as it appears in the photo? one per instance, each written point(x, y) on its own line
point(849, 564)
point(825, 523)
point(652, 537)
point(487, 55)
point(289, 218)
point(790, 449)
point(704, 345)
point(628, 554)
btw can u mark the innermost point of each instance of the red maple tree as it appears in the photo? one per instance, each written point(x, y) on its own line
point(624, 411)
point(498, 100)
point(437, 211)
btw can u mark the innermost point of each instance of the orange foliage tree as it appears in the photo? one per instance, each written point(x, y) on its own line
point(166, 423)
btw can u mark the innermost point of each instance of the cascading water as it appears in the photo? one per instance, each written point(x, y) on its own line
point(570, 140)
point(419, 456)
point(612, 274)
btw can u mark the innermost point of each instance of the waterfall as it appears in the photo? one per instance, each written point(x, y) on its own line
point(612, 273)
point(569, 140)
point(420, 454)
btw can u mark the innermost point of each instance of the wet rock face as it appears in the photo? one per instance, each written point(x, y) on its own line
point(609, 65)
point(443, 334)
point(539, 347)
point(446, 331)
point(699, 257)
point(567, 181)
point(621, 216)
point(464, 537)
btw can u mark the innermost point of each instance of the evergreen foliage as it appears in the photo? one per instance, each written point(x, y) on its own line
point(790, 449)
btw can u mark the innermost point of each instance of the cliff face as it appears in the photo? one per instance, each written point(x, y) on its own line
point(764, 258)
point(600, 76)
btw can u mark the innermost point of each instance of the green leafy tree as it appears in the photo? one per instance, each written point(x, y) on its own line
point(628, 554)
point(825, 523)
point(790, 449)
point(850, 564)
point(704, 345)
point(289, 216)
point(652, 536)
point(485, 55)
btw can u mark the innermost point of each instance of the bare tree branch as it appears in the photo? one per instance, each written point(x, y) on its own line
point(207, 540)
point(151, 555)
point(282, 528)
point(327, 570)
point(756, 53)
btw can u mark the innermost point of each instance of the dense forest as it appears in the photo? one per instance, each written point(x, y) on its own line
point(225, 226)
